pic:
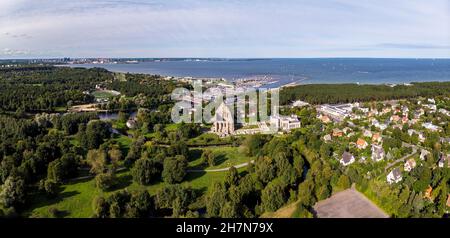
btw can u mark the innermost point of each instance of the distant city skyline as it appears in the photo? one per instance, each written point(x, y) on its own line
point(224, 29)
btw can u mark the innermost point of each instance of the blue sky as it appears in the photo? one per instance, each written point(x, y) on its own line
point(225, 28)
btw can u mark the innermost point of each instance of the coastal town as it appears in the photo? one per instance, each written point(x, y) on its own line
point(387, 140)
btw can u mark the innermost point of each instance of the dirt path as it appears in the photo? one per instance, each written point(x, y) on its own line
point(220, 170)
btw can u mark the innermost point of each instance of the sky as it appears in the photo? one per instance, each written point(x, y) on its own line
point(225, 28)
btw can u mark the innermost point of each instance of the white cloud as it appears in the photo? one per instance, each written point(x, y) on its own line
point(227, 28)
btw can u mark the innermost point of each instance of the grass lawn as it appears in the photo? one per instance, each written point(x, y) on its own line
point(209, 139)
point(227, 157)
point(75, 199)
point(60, 109)
point(172, 127)
point(124, 142)
point(103, 94)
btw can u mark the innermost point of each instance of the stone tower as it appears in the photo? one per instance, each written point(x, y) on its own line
point(223, 121)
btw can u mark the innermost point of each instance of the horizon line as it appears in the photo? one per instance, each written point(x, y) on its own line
point(220, 58)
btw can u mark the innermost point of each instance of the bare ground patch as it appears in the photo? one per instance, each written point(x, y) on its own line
point(348, 204)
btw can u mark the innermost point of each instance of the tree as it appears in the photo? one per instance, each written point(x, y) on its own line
point(273, 196)
point(100, 207)
point(326, 150)
point(209, 158)
point(254, 143)
point(302, 212)
point(98, 160)
point(145, 171)
point(343, 182)
point(7, 166)
point(13, 192)
point(135, 152)
point(179, 148)
point(323, 192)
point(96, 132)
point(114, 155)
point(215, 200)
point(174, 169)
point(305, 191)
point(174, 196)
point(105, 181)
point(265, 170)
point(232, 177)
point(55, 171)
point(140, 205)
point(229, 210)
point(50, 187)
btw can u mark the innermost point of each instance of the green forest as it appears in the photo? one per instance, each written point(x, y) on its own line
point(55, 163)
point(349, 93)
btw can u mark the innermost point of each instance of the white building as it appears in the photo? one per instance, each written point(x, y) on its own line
point(300, 104)
point(409, 165)
point(131, 123)
point(338, 112)
point(444, 161)
point(285, 123)
point(347, 159)
point(394, 176)
point(424, 154)
point(430, 126)
point(377, 153)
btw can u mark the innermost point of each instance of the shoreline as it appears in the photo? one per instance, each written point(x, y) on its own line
point(286, 84)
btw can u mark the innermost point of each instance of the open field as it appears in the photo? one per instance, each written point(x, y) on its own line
point(75, 199)
point(92, 107)
point(348, 204)
point(105, 93)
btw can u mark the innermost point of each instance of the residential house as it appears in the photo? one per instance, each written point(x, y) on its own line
point(300, 104)
point(412, 131)
point(324, 119)
point(405, 120)
point(131, 123)
point(448, 201)
point(428, 193)
point(413, 121)
point(351, 134)
point(405, 110)
point(395, 118)
point(424, 154)
point(377, 153)
point(394, 176)
point(409, 165)
point(367, 133)
point(346, 130)
point(445, 112)
point(376, 138)
point(347, 159)
point(444, 161)
point(430, 126)
point(386, 110)
point(327, 138)
point(361, 144)
point(378, 125)
point(337, 132)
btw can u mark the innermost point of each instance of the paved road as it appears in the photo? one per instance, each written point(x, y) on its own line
point(220, 170)
point(401, 159)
